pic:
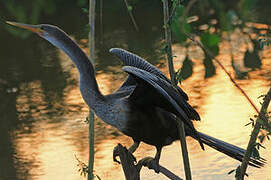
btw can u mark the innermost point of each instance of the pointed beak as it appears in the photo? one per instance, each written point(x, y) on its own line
point(33, 28)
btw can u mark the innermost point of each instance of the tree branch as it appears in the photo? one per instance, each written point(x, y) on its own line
point(132, 170)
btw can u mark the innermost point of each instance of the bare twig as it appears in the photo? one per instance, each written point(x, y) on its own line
point(83, 168)
point(255, 133)
point(173, 80)
point(131, 15)
point(91, 114)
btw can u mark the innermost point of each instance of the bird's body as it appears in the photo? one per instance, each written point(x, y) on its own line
point(146, 107)
point(139, 118)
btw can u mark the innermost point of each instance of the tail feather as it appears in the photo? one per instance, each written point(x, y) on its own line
point(230, 150)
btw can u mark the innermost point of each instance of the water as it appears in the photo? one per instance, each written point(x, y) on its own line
point(42, 125)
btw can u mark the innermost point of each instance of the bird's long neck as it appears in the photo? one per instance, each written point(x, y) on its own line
point(87, 82)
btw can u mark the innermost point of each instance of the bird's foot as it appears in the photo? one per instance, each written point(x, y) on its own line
point(117, 154)
point(151, 163)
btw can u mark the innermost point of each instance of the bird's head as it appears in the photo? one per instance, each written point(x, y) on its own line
point(61, 40)
point(51, 33)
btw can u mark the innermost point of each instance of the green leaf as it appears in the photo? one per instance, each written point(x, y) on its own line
point(260, 121)
point(255, 153)
point(81, 3)
point(261, 138)
point(209, 40)
point(248, 123)
point(187, 28)
point(186, 70)
point(130, 8)
point(231, 171)
point(226, 20)
point(179, 11)
point(238, 172)
point(209, 67)
point(176, 28)
point(214, 50)
point(259, 145)
point(252, 59)
point(85, 10)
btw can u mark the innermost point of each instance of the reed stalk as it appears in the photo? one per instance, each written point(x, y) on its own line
point(173, 80)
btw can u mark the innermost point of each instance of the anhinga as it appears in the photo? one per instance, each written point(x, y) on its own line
point(146, 107)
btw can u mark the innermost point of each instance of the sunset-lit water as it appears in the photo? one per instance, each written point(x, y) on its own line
point(50, 147)
point(42, 119)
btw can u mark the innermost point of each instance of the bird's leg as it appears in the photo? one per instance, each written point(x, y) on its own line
point(134, 147)
point(131, 150)
point(152, 163)
point(156, 159)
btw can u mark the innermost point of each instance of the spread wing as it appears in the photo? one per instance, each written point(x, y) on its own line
point(167, 96)
point(130, 59)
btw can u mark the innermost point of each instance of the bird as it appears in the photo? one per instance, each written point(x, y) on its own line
point(146, 107)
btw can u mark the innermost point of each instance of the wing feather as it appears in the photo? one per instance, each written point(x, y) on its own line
point(169, 92)
point(130, 59)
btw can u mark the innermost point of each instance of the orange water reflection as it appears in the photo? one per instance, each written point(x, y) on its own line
point(54, 140)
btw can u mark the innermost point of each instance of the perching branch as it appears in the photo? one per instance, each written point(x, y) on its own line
point(91, 114)
point(147, 162)
point(262, 116)
point(173, 80)
point(132, 170)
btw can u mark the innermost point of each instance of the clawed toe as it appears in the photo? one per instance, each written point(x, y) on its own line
point(116, 154)
point(156, 166)
point(151, 163)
